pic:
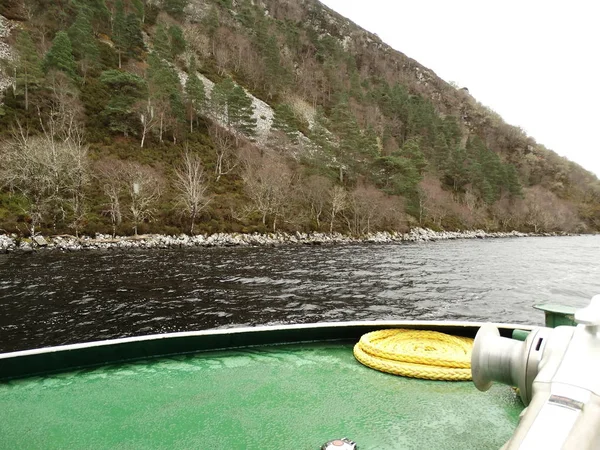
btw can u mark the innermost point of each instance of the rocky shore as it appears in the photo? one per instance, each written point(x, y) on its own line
point(11, 243)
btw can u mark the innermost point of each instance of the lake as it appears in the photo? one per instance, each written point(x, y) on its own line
point(51, 298)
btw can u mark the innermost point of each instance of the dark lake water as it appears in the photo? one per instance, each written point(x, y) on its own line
point(52, 298)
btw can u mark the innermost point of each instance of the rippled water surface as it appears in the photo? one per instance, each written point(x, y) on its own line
point(51, 298)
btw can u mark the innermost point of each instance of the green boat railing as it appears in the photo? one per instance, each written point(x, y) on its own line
point(69, 357)
point(557, 315)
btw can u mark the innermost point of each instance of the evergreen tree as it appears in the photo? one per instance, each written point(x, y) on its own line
point(246, 13)
point(421, 119)
point(457, 171)
point(125, 90)
point(96, 12)
point(194, 92)
point(161, 44)
point(441, 151)
point(412, 151)
point(343, 124)
point(134, 41)
point(85, 47)
point(29, 65)
point(451, 131)
point(275, 73)
point(397, 175)
point(355, 86)
point(175, 7)
point(241, 111)
point(318, 131)
point(119, 31)
point(369, 143)
point(284, 120)
point(231, 103)
point(140, 10)
point(211, 23)
point(165, 91)
point(486, 170)
point(220, 98)
point(60, 56)
point(511, 181)
point(178, 43)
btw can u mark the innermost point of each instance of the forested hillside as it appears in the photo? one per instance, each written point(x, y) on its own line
point(170, 116)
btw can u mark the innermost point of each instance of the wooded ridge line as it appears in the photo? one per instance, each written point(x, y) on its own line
point(209, 116)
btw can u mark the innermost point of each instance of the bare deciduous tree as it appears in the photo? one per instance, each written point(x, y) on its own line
point(148, 119)
point(315, 194)
point(144, 187)
point(77, 179)
point(338, 201)
point(506, 211)
point(66, 113)
point(190, 184)
point(433, 201)
point(225, 144)
point(544, 211)
point(363, 208)
point(111, 175)
point(267, 182)
point(51, 171)
point(370, 208)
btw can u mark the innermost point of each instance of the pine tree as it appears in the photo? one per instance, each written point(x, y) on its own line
point(318, 131)
point(96, 11)
point(285, 121)
point(29, 65)
point(125, 90)
point(140, 10)
point(485, 169)
point(369, 144)
point(60, 56)
point(194, 92)
point(178, 43)
point(275, 73)
point(85, 47)
point(211, 23)
point(175, 7)
point(165, 91)
point(451, 131)
point(412, 151)
point(134, 41)
point(119, 30)
point(344, 125)
point(441, 151)
point(231, 104)
point(220, 96)
point(161, 44)
point(457, 171)
point(512, 183)
point(355, 86)
point(397, 175)
point(241, 111)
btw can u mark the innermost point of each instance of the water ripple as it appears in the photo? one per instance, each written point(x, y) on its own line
point(53, 298)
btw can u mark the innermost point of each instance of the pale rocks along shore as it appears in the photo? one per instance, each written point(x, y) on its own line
point(11, 243)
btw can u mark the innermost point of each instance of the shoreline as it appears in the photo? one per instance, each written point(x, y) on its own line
point(11, 243)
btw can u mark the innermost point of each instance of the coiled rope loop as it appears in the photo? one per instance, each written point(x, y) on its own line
point(416, 353)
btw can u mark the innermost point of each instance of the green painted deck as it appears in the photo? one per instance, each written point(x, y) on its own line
point(273, 397)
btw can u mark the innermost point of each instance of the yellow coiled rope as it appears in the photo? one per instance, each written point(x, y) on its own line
point(417, 354)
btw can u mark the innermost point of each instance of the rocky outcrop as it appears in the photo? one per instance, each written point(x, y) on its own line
point(11, 243)
point(6, 53)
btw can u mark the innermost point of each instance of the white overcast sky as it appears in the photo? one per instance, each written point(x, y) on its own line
point(535, 62)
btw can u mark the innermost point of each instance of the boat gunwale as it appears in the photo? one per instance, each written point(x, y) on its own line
point(63, 358)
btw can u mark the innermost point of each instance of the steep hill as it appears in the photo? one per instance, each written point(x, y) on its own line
point(240, 115)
